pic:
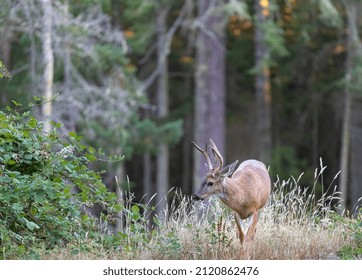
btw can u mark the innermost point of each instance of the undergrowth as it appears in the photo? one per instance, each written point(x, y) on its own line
point(294, 225)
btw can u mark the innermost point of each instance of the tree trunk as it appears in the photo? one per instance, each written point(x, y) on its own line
point(345, 137)
point(162, 161)
point(262, 87)
point(345, 142)
point(147, 186)
point(120, 175)
point(351, 154)
point(5, 48)
point(355, 190)
point(48, 59)
point(67, 56)
point(28, 6)
point(188, 134)
point(71, 118)
point(209, 116)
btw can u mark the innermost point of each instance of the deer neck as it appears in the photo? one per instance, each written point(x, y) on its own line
point(230, 191)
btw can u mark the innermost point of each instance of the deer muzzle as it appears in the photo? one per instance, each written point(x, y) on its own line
point(196, 197)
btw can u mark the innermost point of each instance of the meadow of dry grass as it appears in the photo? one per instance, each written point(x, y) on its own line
point(294, 225)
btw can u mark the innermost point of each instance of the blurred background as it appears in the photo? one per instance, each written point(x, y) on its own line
point(275, 80)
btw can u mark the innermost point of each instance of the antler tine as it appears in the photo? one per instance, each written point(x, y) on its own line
point(204, 152)
point(216, 153)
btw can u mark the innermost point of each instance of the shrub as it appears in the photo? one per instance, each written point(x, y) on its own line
point(39, 173)
point(354, 250)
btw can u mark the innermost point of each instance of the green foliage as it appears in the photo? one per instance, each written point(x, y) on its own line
point(353, 251)
point(109, 56)
point(135, 231)
point(285, 162)
point(274, 39)
point(139, 135)
point(148, 134)
point(3, 71)
point(136, 18)
point(44, 184)
point(329, 14)
point(238, 8)
point(168, 243)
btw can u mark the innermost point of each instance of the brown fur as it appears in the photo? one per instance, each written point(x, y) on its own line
point(246, 191)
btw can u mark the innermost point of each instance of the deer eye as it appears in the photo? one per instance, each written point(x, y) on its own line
point(209, 184)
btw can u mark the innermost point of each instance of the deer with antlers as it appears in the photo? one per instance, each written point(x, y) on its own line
point(245, 192)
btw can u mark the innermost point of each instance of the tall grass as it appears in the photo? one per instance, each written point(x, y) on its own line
point(295, 224)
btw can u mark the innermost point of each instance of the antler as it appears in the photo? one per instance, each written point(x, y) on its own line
point(204, 152)
point(216, 154)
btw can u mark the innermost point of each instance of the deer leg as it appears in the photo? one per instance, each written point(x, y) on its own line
point(238, 225)
point(241, 236)
point(252, 227)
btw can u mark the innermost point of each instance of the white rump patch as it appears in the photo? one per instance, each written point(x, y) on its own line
point(253, 163)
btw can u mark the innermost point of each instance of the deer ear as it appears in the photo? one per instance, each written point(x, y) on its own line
point(228, 170)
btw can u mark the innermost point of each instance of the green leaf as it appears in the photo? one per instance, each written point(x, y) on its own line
point(36, 99)
point(11, 162)
point(17, 104)
point(17, 207)
point(33, 122)
point(13, 174)
point(75, 252)
point(135, 209)
point(28, 156)
point(156, 221)
point(90, 157)
point(21, 250)
point(72, 134)
point(57, 180)
point(31, 225)
point(56, 125)
point(122, 235)
point(117, 207)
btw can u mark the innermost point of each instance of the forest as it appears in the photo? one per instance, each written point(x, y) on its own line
point(131, 83)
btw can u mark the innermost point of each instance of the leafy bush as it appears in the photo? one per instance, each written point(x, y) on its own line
point(3, 71)
point(354, 250)
point(44, 185)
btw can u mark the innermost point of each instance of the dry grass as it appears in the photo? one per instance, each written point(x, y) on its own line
point(294, 225)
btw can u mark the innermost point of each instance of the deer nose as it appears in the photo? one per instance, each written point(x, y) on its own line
point(196, 197)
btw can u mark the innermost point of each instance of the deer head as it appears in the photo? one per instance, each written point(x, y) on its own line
point(213, 182)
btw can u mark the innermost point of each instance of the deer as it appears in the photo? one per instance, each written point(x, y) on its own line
point(245, 190)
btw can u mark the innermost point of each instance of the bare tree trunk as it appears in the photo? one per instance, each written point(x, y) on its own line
point(345, 137)
point(147, 185)
point(209, 82)
point(345, 142)
point(351, 154)
point(67, 57)
point(262, 88)
point(120, 175)
point(186, 144)
point(5, 47)
point(70, 120)
point(162, 161)
point(28, 6)
point(48, 59)
point(354, 190)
